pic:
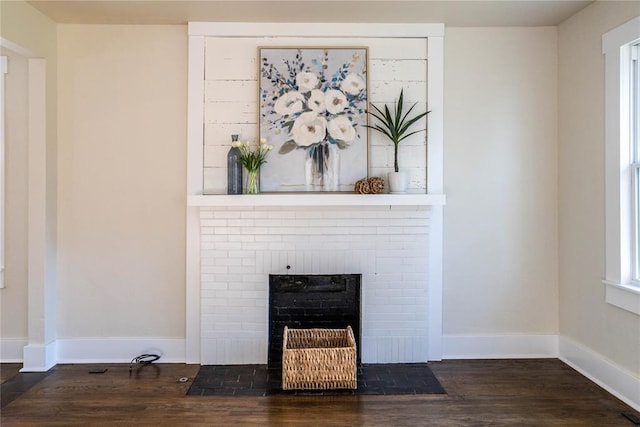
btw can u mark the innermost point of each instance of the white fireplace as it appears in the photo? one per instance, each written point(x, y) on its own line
point(235, 242)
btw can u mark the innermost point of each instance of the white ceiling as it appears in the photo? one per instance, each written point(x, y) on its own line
point(450, 12)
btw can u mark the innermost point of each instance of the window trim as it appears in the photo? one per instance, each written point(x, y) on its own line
point(616, 47)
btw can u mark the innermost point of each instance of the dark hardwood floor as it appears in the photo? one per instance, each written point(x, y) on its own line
point(8, 370)
point(480, 393)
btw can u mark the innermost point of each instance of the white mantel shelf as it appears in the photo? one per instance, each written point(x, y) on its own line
point(318, 200)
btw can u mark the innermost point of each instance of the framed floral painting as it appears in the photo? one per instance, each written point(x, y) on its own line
point(313, 110)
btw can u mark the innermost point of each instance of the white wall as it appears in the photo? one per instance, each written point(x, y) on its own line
point(35, 35)
point(501, 259)
point(13, 321)
point(585, 317)
point(122, 181)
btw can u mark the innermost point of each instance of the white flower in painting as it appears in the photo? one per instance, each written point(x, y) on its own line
point(340, 128)
point(306, 81)
point(353, 84)
point(334, 101)
point(289, 103)
point(316, 101)
point(308, 129)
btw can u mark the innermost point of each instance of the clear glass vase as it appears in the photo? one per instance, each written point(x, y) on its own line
point(253, 181)
point(322, 168)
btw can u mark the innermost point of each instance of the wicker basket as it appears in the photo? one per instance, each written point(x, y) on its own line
point(318, 359)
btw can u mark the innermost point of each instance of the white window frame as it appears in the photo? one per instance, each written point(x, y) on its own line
point(621, 288)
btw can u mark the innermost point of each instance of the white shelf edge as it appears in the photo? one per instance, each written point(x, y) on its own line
point(317, 200)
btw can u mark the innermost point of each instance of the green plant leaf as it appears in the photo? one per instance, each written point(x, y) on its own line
point(410, 123)
point(399, 110)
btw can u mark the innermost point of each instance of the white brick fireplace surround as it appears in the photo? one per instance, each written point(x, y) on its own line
point(235, 242)
point(241, 246)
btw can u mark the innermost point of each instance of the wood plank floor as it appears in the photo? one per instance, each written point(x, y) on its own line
point(8, 370)
point(480, 393)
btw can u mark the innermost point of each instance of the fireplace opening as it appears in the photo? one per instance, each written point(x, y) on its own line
point(312, 301)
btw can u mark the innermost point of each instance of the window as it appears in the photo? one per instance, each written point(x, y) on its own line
point(621, 48)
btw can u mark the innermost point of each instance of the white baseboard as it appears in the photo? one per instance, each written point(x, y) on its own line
point(39, 357)
point(499, 346)
point(616, 380)
point(119, 350)
point(11, 350)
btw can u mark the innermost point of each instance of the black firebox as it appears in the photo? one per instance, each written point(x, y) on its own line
point(312, 301)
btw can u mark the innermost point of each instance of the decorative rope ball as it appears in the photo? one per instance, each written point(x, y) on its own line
point(374, 185)
point(362, 186)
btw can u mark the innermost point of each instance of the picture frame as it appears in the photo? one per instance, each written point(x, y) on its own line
point(313, 110)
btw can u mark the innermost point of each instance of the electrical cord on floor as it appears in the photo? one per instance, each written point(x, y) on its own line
point(143, 359)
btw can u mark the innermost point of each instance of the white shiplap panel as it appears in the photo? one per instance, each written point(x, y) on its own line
point(220, 133)
point(215, 180)
point(406, 48)
point(229, 59)
point(386, 91)
point(215, 156)
point(230, 90)
point(236, 68)
point(231, 95)
point(237, 59)
point(245, 112)
point(380, 156)
point(412, 156)
point(397, 70)
point(416, 178)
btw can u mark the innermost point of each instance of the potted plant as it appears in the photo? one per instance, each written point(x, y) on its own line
point(395, 124)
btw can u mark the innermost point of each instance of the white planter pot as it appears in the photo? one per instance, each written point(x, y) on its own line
point(397, 182)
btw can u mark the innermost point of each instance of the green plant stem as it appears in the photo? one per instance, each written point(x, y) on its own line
point(395, 156)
